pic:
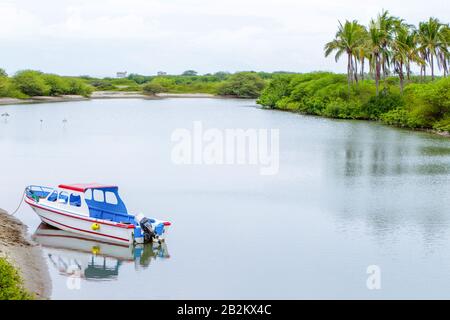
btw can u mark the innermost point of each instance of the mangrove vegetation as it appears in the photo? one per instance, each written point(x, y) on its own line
point(395, 72)
point(388, 49)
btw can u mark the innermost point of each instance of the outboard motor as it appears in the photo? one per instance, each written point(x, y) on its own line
point(146, 227)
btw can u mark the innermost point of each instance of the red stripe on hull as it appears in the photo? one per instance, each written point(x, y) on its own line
point(124, 226)
point(87, 231)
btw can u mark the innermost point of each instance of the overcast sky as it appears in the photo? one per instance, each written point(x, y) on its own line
point(100, 37)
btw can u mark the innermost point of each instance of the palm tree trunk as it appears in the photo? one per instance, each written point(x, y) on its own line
point(432, 66)
point(356, 69)
point(349, 70)
point(408, 70)
point(377, 73)
point(362, 69)
point(424, 71)
point(400, 75)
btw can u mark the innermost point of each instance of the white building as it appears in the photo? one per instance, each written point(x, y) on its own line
point(121, 74)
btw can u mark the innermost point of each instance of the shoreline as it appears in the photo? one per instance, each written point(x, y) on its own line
point(105, 95)
point(24, 255)
point(159, 96)
point(444, 134)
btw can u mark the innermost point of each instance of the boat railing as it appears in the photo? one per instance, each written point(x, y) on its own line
point(38, 191)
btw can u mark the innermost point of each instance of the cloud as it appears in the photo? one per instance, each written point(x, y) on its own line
point(149, 35)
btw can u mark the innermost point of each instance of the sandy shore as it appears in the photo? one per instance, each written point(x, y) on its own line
point(137, 94)
point(25, 255)
point(105, 95)
point(38, 99)
point(119, 95)
point(187, 95)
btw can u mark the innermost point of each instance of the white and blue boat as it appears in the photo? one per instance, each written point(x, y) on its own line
point(93, 210)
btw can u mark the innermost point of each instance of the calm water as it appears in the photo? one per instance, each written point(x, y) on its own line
point(347, 195)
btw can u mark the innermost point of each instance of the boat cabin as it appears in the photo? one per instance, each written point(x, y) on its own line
point(94, 200)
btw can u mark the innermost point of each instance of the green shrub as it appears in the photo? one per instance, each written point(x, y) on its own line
point(78, 87)
point(11, 287)
point(380, 104)
point(397, 117)
point(443, 125)
point(8, 89)
point(277, 88)
point(166, 83)
point(343, 109)
point(102, 85)
point(31, 83)
point(152, 88)
point(422, 105)
point(242, 85)
point(58, 85)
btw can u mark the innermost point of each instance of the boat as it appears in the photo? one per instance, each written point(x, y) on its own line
point(93, 210)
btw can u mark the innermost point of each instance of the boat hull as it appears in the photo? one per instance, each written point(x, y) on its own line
point(88, 227)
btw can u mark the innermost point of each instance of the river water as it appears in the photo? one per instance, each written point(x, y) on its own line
point(350, 197)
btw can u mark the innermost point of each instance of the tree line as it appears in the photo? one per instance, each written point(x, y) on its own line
point(389, 43)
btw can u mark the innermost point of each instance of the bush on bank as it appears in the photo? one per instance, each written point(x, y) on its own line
point(152, 88)
point(242, 85)
point(422, 105)
point(11, 287)
point(30, 83)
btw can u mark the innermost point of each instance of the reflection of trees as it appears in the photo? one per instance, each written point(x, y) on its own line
point(389, 178)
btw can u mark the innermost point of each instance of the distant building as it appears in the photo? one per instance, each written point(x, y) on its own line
point(162, 73)
point(121, 74)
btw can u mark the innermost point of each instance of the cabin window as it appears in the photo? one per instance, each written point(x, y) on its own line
point(111, 198)
point(63, 197)
point(75, 200)
point(99, 196)
point(53, 196)
point(88, 194)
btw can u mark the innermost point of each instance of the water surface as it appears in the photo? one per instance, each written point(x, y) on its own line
point(348, 195)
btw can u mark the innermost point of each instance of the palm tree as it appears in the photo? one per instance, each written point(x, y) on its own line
point(347, 39)
point(431, 41)
point(361, 53)
point(388, 41)
point(375, 41)
point(361, 56)
point(444, 54)
point(412, 52)
point(387, 25)
point(400, 50)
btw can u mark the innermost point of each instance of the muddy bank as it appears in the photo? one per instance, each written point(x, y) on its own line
point(25, 255)
point(137, 94)
point(105, 95)
point(39, 99)
point(119, 95)
point(188, 95)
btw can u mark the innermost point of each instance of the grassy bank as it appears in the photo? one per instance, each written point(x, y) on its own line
point(30, 83)
point(11, 285)
point(417, 103)
point(240, 84)
point(424, 105)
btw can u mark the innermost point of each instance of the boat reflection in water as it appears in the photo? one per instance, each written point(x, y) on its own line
point(91, 259)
